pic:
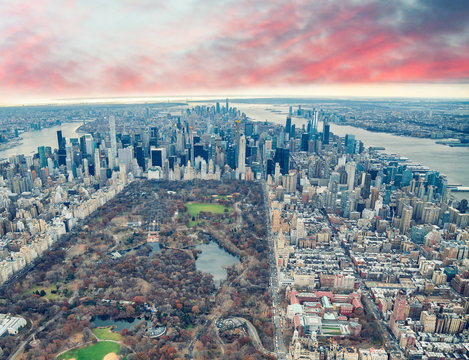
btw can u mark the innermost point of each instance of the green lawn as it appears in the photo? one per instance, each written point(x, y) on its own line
point(331, 331)
point(195, 222)
point(92, 352)
point(220, 197)
point(195, 208)
point(107, 334)
point(49, 295)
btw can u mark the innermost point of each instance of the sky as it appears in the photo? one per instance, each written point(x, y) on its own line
point(75, 49)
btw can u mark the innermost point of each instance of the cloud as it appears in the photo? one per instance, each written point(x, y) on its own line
point(95, 48)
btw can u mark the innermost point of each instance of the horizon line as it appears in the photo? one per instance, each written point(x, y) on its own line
point(136, 99)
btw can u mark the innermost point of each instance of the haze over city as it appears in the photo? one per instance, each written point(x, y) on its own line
point(55, 50)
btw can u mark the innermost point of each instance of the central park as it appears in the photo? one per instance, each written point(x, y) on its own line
point(107, 269)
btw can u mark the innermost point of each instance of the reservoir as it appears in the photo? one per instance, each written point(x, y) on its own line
point(213, 260)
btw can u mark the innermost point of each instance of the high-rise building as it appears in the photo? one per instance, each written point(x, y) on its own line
point(158, 156)
point(314, 125)
point(68, 157)
point(42, 156)
point(288, 125)
point(282, 156)
point(60, 140)
point(304, 141)
point(405, 219)
point(180, 140)
point(365, 190)
point(86, 168)
point(326, 133)
point(374, 197)
point(350, 144)
point(139, 155)
point(248, 129)
point(350, 169)
point(242, 155)
point(97, 164)
point(61, 153)
point(125, 156)
point(112, 134)
point(83, 145)
point(123, 173)
point(300, 228)
point(398, 313)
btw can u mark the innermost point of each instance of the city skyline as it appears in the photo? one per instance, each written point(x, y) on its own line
point(53, 50)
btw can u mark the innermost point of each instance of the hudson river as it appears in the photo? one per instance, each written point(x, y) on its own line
point(47, 137)
point(452, 162)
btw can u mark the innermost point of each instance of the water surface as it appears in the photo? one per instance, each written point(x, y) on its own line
point(213, 260)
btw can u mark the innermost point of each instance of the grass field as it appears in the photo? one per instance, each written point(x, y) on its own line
point(331, 330)
point(195, 208)
point(107, 334)
point(194, 222)
point(49, 295)
point(92, 352)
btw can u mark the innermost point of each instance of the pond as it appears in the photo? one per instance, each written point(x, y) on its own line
point(213, 260)
point(155, 247)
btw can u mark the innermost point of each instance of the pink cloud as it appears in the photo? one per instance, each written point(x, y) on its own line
point(132, 48)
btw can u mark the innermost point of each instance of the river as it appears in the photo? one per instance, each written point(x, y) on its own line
point(452, 162)
point(44, 137)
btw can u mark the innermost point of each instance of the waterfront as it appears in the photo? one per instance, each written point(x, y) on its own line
point(450, 161)
point(447, 160)
point(44, 137)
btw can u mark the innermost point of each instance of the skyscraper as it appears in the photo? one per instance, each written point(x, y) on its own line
point(242, 155)
point(304, 141)
point(60, 140)
point(97, 164)
point(112, 134)
point(350, 169)
point(288, 125)
point(374, 197)
point(62, 155)
point(350, 144)
point(314, 125)
point(326, 133)
point(140, 157)
point(158, 156)
point(365, 190)
point(405, 219)
point(42, 156)
point(282, 156)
